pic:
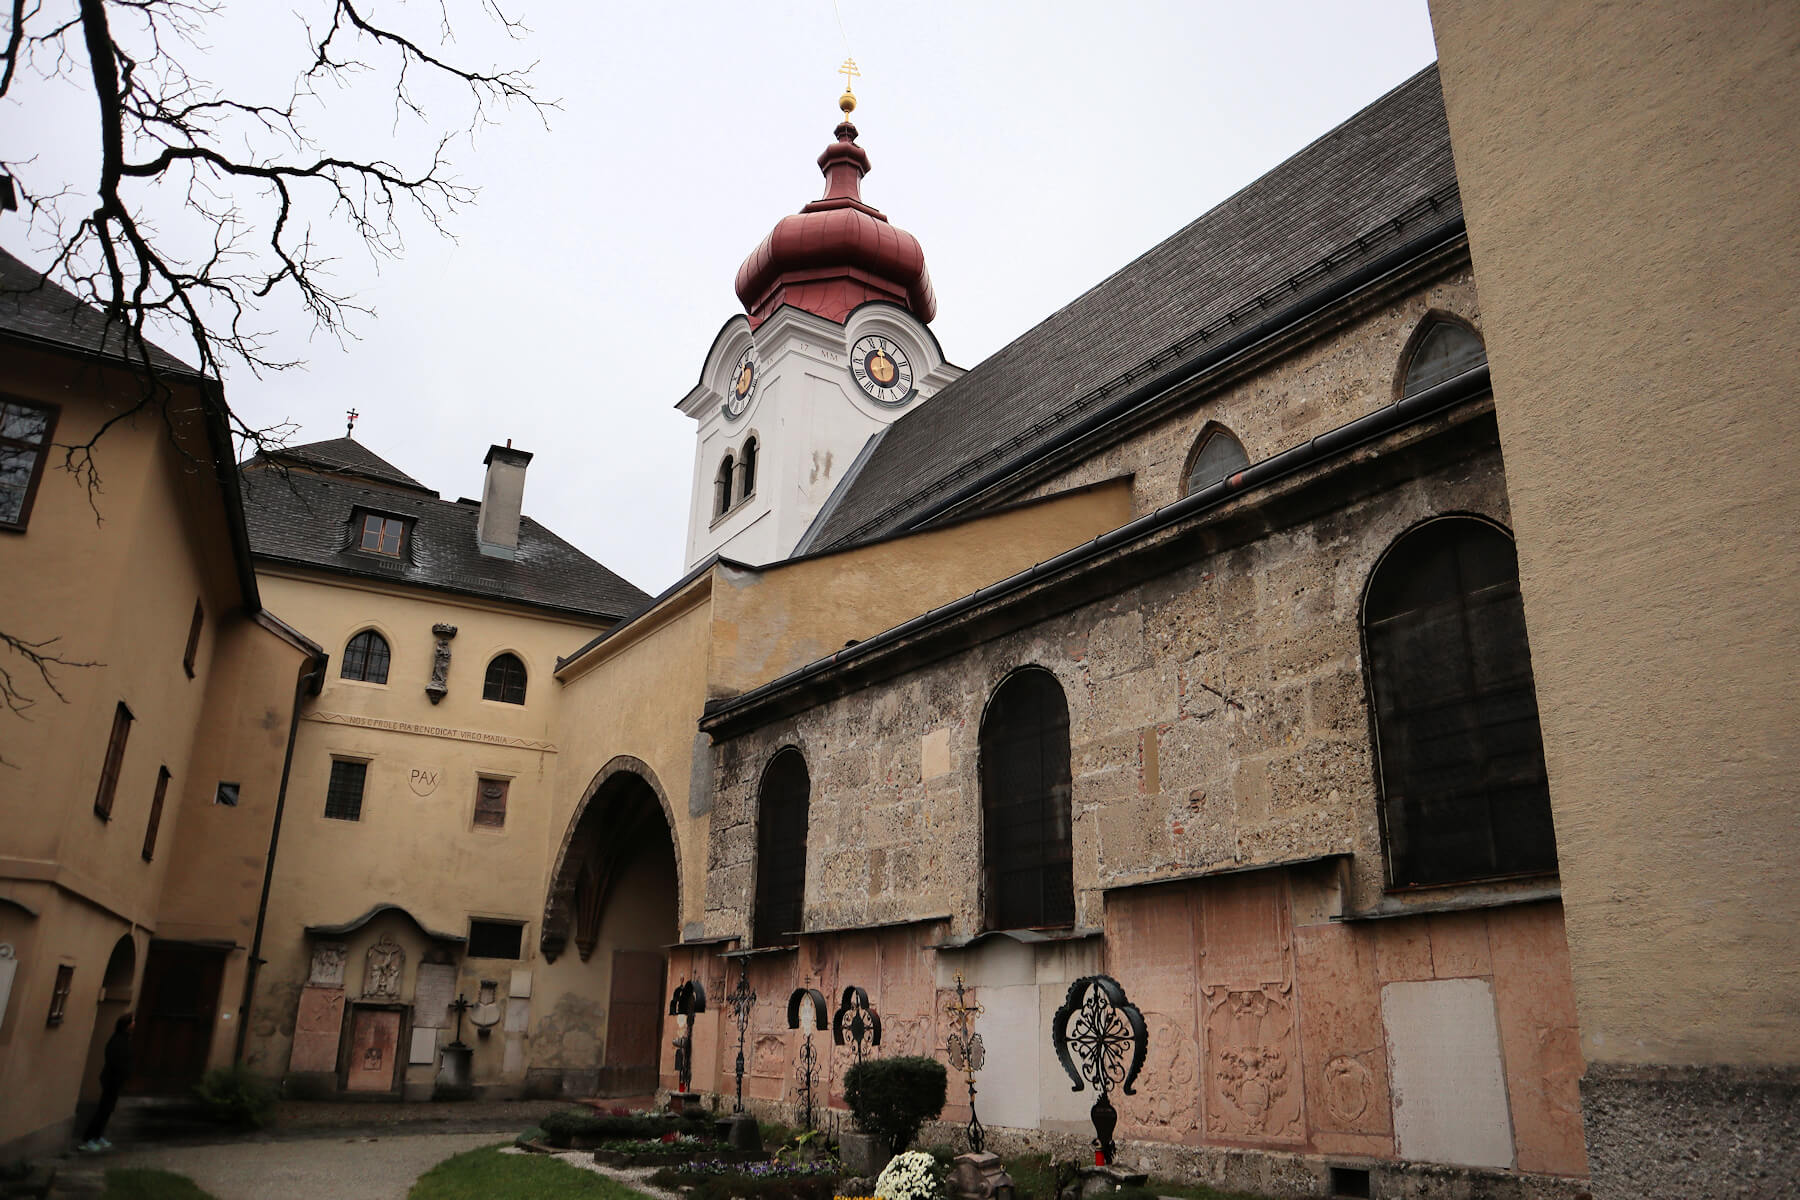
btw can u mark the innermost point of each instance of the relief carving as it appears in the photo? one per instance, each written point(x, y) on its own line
point(1172, 1099)
point(382, 968)
point(328, 964)
point(1253, 1091)
point(1346, 1089)
point(769, 1055)
point(440, 662)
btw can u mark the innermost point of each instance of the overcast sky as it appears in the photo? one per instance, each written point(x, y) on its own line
point(1033, 149)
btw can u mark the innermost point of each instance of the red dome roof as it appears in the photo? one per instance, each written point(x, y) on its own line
point(837, 252)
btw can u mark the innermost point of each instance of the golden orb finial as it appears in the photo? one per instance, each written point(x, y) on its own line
point(847, 101)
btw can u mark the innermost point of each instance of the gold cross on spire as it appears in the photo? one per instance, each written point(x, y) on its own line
point(847, 101)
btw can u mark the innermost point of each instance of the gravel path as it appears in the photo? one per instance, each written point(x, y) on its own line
point(348, 1168)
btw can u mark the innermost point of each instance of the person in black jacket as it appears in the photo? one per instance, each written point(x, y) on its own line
point(113, 1073)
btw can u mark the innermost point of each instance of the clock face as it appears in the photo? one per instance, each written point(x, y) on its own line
point(882, 370)
point(742, 385)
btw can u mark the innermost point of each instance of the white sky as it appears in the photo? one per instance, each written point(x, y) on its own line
point(1032, 149)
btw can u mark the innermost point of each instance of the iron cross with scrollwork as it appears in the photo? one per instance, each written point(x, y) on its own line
point(741, 1000)
point(808, 1065)
point(1106, 1032)
point(689, 999)
point(856, 1023)
point(967, 1054)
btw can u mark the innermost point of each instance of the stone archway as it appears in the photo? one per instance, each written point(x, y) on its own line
point(611, 824)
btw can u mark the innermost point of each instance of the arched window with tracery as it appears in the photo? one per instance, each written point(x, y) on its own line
point(1464, 792)
point(1441, 350)
point(366, 658)
point(722, 486)
point(1026, 847)
point(505, 680)
point(781, 819)
point(747, 470)
point(1216, 454)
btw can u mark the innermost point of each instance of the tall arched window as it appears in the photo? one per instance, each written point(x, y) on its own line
point(781, 816)
point(747, 470)
point(366, 658)
point(1463, 789)
point(1441, 350)
point(722, 487)
point(1025, 804)
point(505, 680)
point(1216, 455)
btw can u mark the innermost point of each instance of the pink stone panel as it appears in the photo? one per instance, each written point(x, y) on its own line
point(1152, 949)
point(1246, 931)
point(1535, 998)
point(318, 1025)
point(1459, 945)
point(1253, 1076)
point(1342, 1042)
point(1403, 950)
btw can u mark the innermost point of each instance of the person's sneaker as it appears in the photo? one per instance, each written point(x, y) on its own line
point(105, 1144)
point(91, 1146)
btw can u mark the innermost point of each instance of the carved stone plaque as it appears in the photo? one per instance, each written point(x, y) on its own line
point(318, 1025)
point(374, 1043)
point(382, 968)
point(328, 965)
point(424, 1047)
point(1448, 1082)
point(433, 990)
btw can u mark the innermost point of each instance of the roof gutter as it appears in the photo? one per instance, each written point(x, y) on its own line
point(1185, 373)
point(724, 717)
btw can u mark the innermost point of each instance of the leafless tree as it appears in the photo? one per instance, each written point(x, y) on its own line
point(202, 214)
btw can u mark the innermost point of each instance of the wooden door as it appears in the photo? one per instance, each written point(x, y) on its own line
point(176, 1016)
point(633, 1024)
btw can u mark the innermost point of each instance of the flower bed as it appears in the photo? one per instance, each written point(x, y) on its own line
point(581, 1129)
point(669, 1151)
point(719, 1178)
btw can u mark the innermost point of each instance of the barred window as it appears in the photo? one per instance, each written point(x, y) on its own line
point(366, 658)
point(1464, 791)
point(344, 794)
point(1443, 351)
point(1025, 804)
point(1216, 455)
point(781, 823)
point(505, 680)
point(59, 993)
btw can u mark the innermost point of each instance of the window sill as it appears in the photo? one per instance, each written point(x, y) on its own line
point(1475, 901)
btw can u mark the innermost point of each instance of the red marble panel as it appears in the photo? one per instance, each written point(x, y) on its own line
point(1459, 945)
point(1246, 931)
point(1343, 1043)
point(1403, 949)
point(1535, 998)
point(1152, 949)
point(1253, 1083)
point(374, 1045)
point(318, 1025)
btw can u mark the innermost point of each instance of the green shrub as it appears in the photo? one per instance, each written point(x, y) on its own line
point(580, 1125)
point(534, 1134)
point(236, 1095)
point(893, 1097)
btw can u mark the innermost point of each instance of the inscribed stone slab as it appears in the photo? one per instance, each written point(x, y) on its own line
point(520, 985)
point(1449, 1087)
point(432, 993)
point(518, 1015)
point(424, 1047)
point(513, 1061)
point(317, 1027)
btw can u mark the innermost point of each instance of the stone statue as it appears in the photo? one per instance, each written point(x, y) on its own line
point(381, 973)
point(440, 662)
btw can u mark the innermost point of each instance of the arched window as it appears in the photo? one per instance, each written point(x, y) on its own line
point(1441, 350)
point(1463, 789)
point(747, 471)
point(366, 658)
point(1025, 804)
point(505, 680)
point(722, 488)
point(1216, 455)
point(781, 814)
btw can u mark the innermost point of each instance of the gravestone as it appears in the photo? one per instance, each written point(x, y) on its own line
point(433, 989)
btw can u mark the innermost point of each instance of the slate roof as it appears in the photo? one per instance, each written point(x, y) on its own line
point(349, 457)
point(31, 307)
point(308, 520)
point(1382, 178)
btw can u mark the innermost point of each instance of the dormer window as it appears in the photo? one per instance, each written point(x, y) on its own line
point(382, 534)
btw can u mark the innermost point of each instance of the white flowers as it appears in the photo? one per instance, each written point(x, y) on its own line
point(910, 1176)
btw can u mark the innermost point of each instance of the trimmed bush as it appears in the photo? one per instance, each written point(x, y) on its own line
point(236, 1095)
point(893, 1097)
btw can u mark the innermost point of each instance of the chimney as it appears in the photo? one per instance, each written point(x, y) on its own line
point(502, 497)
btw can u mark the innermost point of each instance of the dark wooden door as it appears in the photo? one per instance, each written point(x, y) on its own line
point(176, 1016)
point(633, 1024)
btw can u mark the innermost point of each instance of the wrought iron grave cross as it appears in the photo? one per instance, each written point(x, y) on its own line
point(856, 1024)
point(967, 1055)
point(689, 999)
point(459, 1006)
point(741, 1000)
point(1105, 1031)
point(808, 1060)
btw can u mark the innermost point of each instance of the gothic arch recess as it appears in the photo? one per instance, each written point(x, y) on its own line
point(623, 812)
point(1456, 332)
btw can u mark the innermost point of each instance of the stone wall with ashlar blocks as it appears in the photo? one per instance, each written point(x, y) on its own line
point(1217, 718)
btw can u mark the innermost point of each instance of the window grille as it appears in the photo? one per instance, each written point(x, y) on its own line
point(1025, 804)
point(505, 680)
point(781, 823)
point(344, 794)
point(1464, 791)
point(59, 993)
point(1446, 350)
point(366, 658)
point(1219, 454)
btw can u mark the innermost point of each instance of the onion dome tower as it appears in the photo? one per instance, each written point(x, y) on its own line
point(837, 252)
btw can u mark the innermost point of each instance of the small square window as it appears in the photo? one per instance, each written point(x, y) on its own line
point(227, 794)
point(59, 994)
point(495, 939)
point(382, 534)
point(490, 803)
point(344, 794)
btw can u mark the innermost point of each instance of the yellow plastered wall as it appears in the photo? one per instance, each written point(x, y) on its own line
point(1633, 201)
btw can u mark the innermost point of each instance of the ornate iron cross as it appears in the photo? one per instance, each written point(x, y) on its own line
point(742, 1000)
point(1106, 1032)
point(459, 1006)
point(856, 1024)
point(808, 1060)
point(967, 1055)
point(689, 999)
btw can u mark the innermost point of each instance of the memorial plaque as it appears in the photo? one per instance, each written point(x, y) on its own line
point(424, 1047)
point(520, 985)
point(1449, 1087)
point(374, 1044)
point(433, 990)
point(318, 1025)
point(518, 1015)
point(328, 964)
point(513, 1060)
point(382, 968)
